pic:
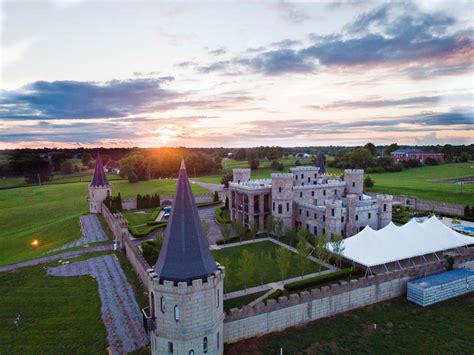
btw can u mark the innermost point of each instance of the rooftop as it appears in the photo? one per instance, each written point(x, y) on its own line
point(99, 179)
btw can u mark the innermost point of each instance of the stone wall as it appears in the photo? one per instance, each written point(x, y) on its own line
point(119, 227)
point(131, 203)
point(319, 303)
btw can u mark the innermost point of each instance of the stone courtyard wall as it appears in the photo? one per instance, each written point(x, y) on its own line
point(131, 203)
point(327, 301)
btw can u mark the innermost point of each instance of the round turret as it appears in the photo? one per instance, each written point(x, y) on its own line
point(241, 175)
point(282, 198)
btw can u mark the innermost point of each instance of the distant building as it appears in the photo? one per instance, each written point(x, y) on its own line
point(99, 187)
point(415, 154)
point(307, 198)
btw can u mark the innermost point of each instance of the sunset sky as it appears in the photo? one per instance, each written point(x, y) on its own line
point(245, 73)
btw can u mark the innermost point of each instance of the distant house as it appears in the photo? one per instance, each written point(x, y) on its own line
point(416, 154)
point(306, 155)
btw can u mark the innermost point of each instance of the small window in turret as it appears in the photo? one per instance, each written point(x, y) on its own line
point(162, 304)
point(353, 184)
point(176, 313)
point(204, 345)
point(385, 207)
point(279, 189)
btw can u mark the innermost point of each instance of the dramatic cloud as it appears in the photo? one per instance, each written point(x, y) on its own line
point(74, 99)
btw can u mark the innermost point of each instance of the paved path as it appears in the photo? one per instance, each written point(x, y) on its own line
point(207, 214)
point(209, 186)
point(91, 230)
point(48, 258)
point(120, 311)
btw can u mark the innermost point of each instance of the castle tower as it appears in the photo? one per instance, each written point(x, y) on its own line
point(99, 188)
point(384, 203)
point(241, 175)
point(354, 179)
point(321, 163)
point(333, 213)
point(186, 284)
point(351, 204)
point(282, 198)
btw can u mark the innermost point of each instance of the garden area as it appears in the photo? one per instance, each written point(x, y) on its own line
point(391, 327)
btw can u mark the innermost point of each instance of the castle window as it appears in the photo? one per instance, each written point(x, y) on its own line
point(204, 345)
point(273, 206)
point(307, 227)
point(353, 184)
point(176, 313)
point(170, 348)
point(312, 193)
point(385, 207)
point(324, 230)
point(315, 230)
point(191, 352)
point(302, 184)
point(370, 215)
point(307, 213)
point(342, 219)
point(335, 192)
point(279, 189)
point(324, 218)
point(296, 177)
point(324, 192)
point(302, 176)
point(357, 217)
point(152, 305)
point(315, 176)
point(309, 179)
point(332, 212)
point(218, 340)
point(300, 211)
point(315, 216)
point(217, 298)
point(280, 208)
point(301, 194)
point(314, 182)
point(162, 304)
point(287, 207)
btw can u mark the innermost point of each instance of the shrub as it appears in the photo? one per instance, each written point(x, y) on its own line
point(467, 211)
point(411, 163)
point(431, 161)
point(368, 182)
point(151, 250)
point(216, 196)
point(154, 214)
point(142, 231)
point(314, 281)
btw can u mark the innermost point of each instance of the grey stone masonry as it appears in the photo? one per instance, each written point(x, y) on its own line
point(298, 309)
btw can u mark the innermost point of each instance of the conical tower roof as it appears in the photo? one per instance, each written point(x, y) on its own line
point(322, 168)
point(99, 179)
point(185, 254)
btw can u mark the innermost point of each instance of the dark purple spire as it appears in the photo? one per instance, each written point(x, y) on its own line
point(185, 254)
point(99, 178)
point(321, 159)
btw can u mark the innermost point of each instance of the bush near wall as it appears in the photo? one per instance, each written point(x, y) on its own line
point(143, 231)
point(153, 216)
point(315, 281)
point(222, 215)
point(151, 250)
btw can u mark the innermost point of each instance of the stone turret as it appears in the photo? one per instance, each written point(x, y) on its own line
point(351, 226)
point(241, 175)
point(282, 198)
point(99, 188)
point(384, 203)
point(333, 215)
point(354, 179)
point(186, 285)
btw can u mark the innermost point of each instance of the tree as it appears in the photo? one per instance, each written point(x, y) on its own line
point(207, 230)
point(278, 228)
point(86, 158)
point(240, 229)
point(292, 235)
point(226, 230)
point(338, 248)
point(247, 265)
point(467, 211)
point(303, 251)
point(368, 182)
point(228, 267)
point(283, 260)
point(252, 159)
point(276, 165)
point(321, 250)
point(254, 163)
point(226, 204)
point(226, 178)
point(431, 161)
point(216, 196)
point(391, 148)
point(371, 148)
point(66, 167)
point(464, 157)
point(241, 154)
point(253, 228)
point(297, 163)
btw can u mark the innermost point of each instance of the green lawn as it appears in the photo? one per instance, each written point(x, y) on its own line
point(50, 213)
point(267, 269)
point(417, 182)
point(59, 315)
point(137, 217)
point(402, 328)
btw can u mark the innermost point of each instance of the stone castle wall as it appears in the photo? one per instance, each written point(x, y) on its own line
point(131, 203)
point(319, 303)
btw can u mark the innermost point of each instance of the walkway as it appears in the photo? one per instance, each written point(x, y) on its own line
point(120, 311)
point(209, 186)
point(91, 230)
point(48, 258)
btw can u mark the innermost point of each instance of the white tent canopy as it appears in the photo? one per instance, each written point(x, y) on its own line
point(391, 243)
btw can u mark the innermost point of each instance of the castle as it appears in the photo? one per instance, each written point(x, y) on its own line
point(308, 198)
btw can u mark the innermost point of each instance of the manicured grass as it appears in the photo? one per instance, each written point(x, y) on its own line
point(402, 328)
point(418, 182)
point(267, 269)
point(137, 217)
point(50, 213)
point(59, 315)
point(239, 302)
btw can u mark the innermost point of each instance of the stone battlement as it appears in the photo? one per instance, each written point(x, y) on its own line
point(184, 287)
point(354, 171)
point(384, 197)
point(261, 184)
point(282, 176)
point(329, 184)
point(242, 170)
point(304, 168)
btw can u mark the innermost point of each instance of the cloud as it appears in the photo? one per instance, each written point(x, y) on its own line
point(83, 100)
point(394, 35)
point(291, 12)
point(218, 51)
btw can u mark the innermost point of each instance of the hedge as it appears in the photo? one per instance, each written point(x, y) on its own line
point(205, 204)
point(140, 234)
point(314, 281)
point(218, 215)
point(154, 214)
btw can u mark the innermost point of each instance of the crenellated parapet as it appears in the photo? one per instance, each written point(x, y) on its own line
point(184, 287)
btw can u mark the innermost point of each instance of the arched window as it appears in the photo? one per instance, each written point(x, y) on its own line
point(217, 298)
point(204, 345)
point(191, 352)
point(218, 340)
point(152, 305)
point(176, 313)
point(162, 304)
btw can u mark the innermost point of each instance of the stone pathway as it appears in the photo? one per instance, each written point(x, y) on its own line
point(120, 311)
point(207, 214)
point(48, 258)
point(91, 230)
point(209, 186)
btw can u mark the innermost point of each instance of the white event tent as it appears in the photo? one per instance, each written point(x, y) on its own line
point(390, 244)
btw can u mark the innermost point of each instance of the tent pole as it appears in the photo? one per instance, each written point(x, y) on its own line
point(386, 268)
point(399, 265)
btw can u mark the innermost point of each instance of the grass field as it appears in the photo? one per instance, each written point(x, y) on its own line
point(418, 182)
point(59, 315)
point(267, 269)
point(402, 328)
point(50, 214)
